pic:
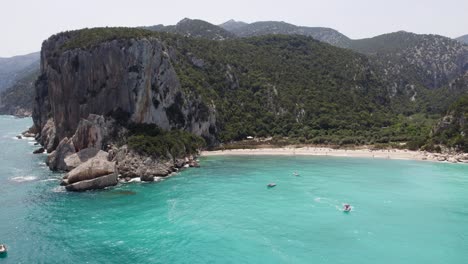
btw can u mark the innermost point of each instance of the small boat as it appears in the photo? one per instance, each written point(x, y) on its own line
point(347, 208)
point(295, 173)
point(271, 185)
point(3, 250)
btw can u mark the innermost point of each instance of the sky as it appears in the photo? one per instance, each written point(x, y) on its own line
point(24, 24)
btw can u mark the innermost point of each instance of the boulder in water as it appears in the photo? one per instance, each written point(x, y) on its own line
point(39, 151)
point(96, 173)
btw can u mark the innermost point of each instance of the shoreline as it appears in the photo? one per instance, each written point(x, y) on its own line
point(396, 154)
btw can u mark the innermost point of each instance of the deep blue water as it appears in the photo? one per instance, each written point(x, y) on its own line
point(404, 212)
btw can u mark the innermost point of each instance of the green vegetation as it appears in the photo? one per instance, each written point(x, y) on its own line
point(291, 87)
point(452, 130)
point(295, 87)
point(20, 95)
point(89, 37)
point(150, 140)
point(195, 28)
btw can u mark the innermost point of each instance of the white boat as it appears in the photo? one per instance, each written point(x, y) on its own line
point(3, 249)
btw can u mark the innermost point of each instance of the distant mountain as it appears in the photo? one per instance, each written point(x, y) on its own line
point(326, 35)
point(195, 28)
point(430, 60)
point(14, 68)
point(232, 25)
point(18, 99)
point(407, 60)
point(463, 39)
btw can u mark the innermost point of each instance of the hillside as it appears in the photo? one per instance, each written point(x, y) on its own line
point(194, 28)
point(18, 100)
point(413, 64)
point(232, 24)
point(14, 68)
point(286, 86)
point(452, 129)
point(326, 35)
point(433, 60)
point(463, 39)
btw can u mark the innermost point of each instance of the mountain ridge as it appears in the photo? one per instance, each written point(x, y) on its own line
point(463, 39)
point(16, 67)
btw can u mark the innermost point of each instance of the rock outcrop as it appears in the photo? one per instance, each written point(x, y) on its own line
point(95, 173)
point(131, 165)
point(76, 159)
point(130, 79)
point(56, 160)
point(86, 96)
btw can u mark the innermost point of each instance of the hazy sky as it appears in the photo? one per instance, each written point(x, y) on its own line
point(24, 24)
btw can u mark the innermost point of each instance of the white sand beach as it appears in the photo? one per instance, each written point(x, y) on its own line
point(361, 153)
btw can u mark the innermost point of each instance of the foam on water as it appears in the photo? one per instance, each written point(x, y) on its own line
point(23, 178)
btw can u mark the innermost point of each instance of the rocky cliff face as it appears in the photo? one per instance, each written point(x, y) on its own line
point(85, 98)
point(126, 78)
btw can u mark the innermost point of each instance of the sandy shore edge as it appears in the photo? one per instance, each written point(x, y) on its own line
point(397, 154)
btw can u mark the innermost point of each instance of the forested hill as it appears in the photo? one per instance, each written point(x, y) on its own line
point(327, 35)
point(194, 28)
point(452, 129)
point(276, 85)
point(278, 79)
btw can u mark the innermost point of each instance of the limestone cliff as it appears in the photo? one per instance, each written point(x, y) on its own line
point(125, 78)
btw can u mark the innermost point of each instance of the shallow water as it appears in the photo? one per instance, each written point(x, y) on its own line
point(403, 212)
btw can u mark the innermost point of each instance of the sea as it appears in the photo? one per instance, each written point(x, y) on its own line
point(223, 212)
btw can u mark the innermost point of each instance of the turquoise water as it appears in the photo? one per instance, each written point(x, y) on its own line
point(404, 212)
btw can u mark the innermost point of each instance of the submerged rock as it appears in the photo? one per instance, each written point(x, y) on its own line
point(39, 151)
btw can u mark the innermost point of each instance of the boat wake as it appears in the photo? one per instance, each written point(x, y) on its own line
point(46, 180)
point(23, 178)
point(59, 189)
point(331, 202)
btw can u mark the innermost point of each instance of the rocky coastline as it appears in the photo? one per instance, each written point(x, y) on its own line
point(92, 160)
point(86, 98)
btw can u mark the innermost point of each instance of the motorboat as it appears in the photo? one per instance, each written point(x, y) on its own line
point(271, 185)
point(3, 250)
point(347, 208)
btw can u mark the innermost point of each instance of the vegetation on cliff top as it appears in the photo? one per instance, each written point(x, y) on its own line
point(89, 37)
point(150, 140)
